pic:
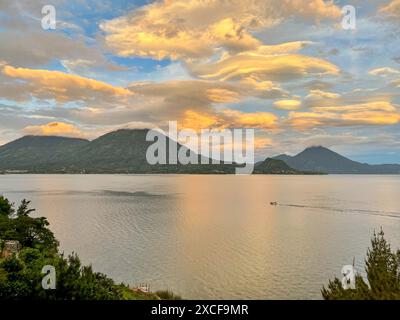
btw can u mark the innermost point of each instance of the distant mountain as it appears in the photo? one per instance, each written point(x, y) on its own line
point(274, 166)
point(121, 151)
point(125, 151)
point(324, 160)
point(34, 153)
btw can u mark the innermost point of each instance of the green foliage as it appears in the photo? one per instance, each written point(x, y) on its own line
point(383, 275)
point(30, 232)
point(6, 208)
point(20, 278)
point(129, 294)
point(23, 209)
point(276, 166)
point(167, 295)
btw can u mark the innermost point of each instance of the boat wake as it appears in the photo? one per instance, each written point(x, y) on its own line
point(392, 214)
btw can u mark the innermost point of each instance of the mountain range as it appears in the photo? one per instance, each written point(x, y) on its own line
point(124, 151)
point(121, 151)
point(324, 160)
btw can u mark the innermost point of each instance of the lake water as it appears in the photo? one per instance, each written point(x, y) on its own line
point(216, 236)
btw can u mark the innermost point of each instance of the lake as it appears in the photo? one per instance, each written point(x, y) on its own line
point(216, 236)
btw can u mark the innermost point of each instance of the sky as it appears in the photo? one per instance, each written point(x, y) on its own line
point(287, 68)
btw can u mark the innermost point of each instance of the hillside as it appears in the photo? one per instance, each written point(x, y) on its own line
point(38, 152)
point(324, 160)
point(275, 166)
point(121, 151)
point(124, 151)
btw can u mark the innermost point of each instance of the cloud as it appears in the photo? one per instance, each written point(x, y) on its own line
point(222, 95)
point(55, 129)
point(227, 118)
point(63, 87)
point(257, 120)
point(306, 120)
point(263, 67)
point(320, 94)
point(156, 103)
point(83, 66)
point(36, 48)
point(391, 10)
point(396, 83)
point(28, 45)
point(369, 106)
point(193, 29)
point(370, 113)
point(173, 98)
point(384, 71)
point(281, 48)
point(287, 104)
point(318, 85)
point(177, 94)
point(262, 142)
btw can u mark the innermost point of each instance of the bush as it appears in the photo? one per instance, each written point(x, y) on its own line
point(383, 275)
point(167, 295)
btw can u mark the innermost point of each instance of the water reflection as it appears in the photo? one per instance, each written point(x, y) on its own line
point(216, 236)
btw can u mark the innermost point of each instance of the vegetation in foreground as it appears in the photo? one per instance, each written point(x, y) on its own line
point(382, 267)
point(21, 276)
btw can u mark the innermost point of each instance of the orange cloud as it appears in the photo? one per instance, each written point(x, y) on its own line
point(369, 106)
point(192, 29)
point(263, 67)
point(391, 10)
point(282, 48)
point(197, 121)
point(222, 95)
point(320, 94)
point(287, 104)
point(260, 120)
point(228, 119)
point(262, 142)
point(63, 86)
point(372, 117)
point(314, 9)
point(371, 113)
point(55, 129)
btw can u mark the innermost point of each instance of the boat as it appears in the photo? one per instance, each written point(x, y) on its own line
point(274, 203)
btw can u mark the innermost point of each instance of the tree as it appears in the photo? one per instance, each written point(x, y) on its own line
point(18, 225)
point(23, 209)
point(6, 208)
point(382, 267)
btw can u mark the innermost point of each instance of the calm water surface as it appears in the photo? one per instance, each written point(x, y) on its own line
point(216, 237)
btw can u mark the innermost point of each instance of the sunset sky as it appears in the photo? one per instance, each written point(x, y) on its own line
point(284, 67)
